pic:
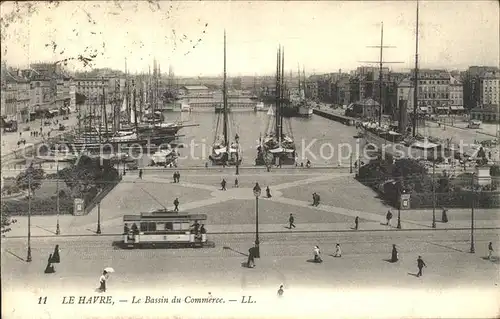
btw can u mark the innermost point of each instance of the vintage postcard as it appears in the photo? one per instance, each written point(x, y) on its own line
point(234, 159)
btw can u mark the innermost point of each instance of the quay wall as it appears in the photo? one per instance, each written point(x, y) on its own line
point(349, 121)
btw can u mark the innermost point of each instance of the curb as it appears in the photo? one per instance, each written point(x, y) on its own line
point(275, 232)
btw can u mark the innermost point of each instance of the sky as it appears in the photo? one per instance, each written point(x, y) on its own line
point(322, 36)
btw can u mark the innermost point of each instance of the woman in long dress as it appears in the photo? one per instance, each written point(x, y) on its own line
point(338, 251)
point(102, 281)
point(394, 255)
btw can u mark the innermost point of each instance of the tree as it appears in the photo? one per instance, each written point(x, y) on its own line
point(6, 219)
point(31, 178)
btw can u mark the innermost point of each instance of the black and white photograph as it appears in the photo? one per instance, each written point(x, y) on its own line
point(250, 159)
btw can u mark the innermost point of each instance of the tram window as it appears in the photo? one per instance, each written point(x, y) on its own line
point(161, 226)
point(148, 226)
point(169, 226)
point(185, 226)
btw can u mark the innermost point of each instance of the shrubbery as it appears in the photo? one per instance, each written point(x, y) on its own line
point(391, 177)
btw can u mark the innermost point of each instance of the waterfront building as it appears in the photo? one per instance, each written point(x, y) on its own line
point(477, 81)
point(194, 90)
point(456, 96)
point(486, 113)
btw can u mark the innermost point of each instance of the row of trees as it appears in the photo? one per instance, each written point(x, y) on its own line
point(85, 179)
point(391, 177)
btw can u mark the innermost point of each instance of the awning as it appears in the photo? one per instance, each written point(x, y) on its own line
point(442, 107)
point(457, 108)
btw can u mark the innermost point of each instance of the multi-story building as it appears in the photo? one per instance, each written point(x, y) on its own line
point(476, 90)
point(405, 94)
point(489, 88)
point(312, 89)
point(433, 91)
point(15, 96)
point(456, 95)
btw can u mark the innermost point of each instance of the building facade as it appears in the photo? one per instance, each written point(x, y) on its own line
point(489, 88)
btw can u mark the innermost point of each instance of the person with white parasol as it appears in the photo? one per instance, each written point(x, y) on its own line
point(104, 277)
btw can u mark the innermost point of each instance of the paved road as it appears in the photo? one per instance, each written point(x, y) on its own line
point(284, 260)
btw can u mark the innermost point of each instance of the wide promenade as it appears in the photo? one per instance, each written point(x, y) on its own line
point(362, 276)
point(233, 210)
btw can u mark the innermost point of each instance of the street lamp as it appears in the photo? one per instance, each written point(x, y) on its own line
point(98, 231)
point(350, 167)
point(399, 208)
point(58, 230)
point(256, 192)
point(433, 194)
point(28, 257)
point(472, 249)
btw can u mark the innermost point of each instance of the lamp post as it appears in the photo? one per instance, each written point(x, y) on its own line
point(472, 249)
point(256, 192)
point(433, 194)
point(350, 167)
point(28, 257)
point(399, 208)
point(58, 230)
point(237, 160)
point(98, 231)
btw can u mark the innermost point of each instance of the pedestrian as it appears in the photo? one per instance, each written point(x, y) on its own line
point(251, 258)
point(236, 182)
point(55, 256)
point(356, 223)
point(420, 264)
point(317, 253)
point(175, 177)
point(223, 184)
point(314, 199)
point(338, 251)
point(50, 268)
point(176, 204)
point(268, 192)
point(388, 217)
point(489, 154)
point(280, 291)
point(102, 281)
point(394, 254)
point(308, 163)
point(490, 250)
point(444, 215)
point(291, 221)
point(140, 173)
point(317, 199)
point(178, 176)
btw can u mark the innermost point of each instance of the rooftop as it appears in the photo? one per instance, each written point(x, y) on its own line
point(195, 87)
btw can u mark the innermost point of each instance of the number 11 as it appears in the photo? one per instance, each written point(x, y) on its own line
point(42, 300)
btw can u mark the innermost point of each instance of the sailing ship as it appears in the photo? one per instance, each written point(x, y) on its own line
point(277, 146)
point(299, 105)
point(224, 152)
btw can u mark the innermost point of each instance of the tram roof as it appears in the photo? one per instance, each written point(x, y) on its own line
point(163, 217)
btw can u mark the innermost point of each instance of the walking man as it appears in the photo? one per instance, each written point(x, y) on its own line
point(388, 217)
point(420, 264)
point(280, 291)
point(317, 200)
point(268, 192)
point(356, 223)
point(236, 183)
point(314, 199)
point(176, 204)
point(223, 184)
point(290, 221)
point(490, 250)
point(178, 176)
point(140, 173)
point(175, 177)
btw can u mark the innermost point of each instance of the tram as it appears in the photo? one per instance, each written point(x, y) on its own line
point(164, 228)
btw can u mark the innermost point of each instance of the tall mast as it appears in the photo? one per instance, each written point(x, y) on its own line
point(282, 90)
point(415, 82)
point(380, 110)
point(224, 98)
point(134, 106)
point(104, 108)
point(277, 113)
point(298, 72)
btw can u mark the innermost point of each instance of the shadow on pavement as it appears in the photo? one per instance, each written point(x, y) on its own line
point(314, 261)
point(414, 275)
point(22, 259)
point(239, 252)
point(47, 230)
point(493, 259)
point(444, 246)
point(389, 261)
